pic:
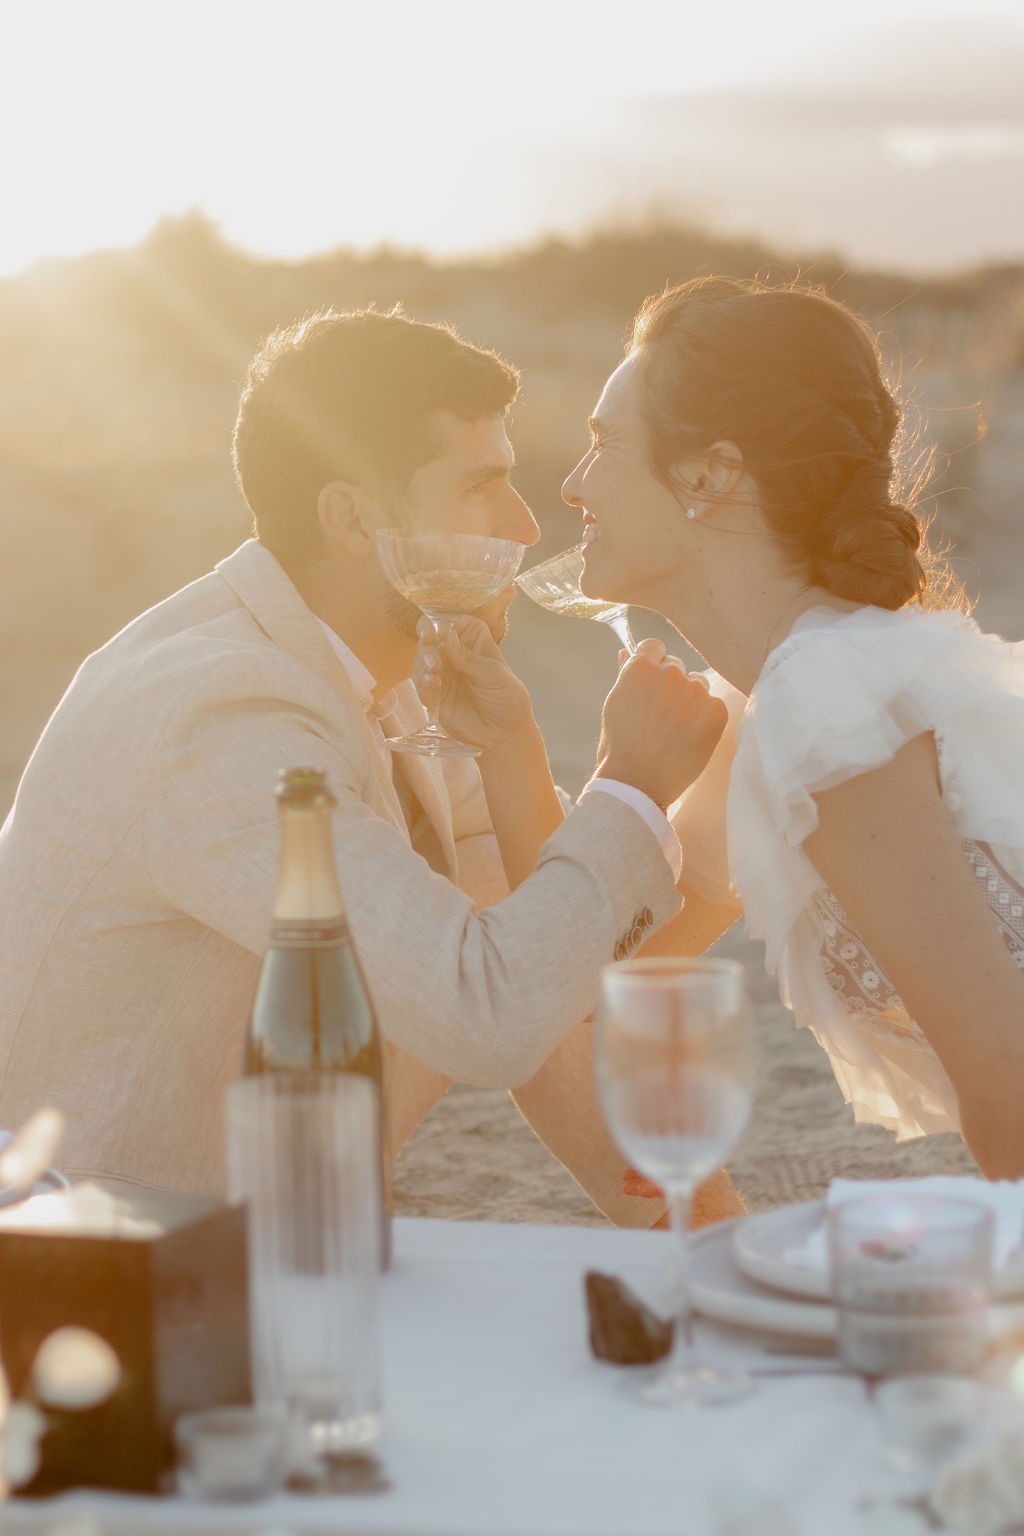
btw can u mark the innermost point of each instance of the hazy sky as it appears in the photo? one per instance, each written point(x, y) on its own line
point(451, 126)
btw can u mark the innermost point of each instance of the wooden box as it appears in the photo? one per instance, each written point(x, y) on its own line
point(171, 1301)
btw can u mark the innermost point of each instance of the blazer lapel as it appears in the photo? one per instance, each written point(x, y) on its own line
point(259, 582)
point(423, 777)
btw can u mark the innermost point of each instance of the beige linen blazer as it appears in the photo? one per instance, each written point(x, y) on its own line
point(137, 874)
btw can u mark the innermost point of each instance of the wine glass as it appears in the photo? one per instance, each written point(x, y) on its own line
point(675, 1068)
point(445, 575)
point(555, 584)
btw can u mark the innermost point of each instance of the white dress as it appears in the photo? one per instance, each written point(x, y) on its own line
point(838, 697)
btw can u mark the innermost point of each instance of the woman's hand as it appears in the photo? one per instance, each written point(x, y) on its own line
point(482, 700)
point(634, 1183)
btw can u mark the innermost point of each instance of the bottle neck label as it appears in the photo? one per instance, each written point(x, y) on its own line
point(309, 933)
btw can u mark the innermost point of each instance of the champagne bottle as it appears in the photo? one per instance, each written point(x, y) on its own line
point(313, 1012)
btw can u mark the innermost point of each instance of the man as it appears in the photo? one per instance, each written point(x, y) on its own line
point(138, 865)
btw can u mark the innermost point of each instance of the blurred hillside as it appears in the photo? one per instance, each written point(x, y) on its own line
point(119, 375)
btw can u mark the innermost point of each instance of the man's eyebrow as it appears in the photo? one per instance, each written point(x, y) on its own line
point(596, 425)
point(487, 472)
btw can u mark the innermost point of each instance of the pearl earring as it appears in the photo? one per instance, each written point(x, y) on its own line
point(691, 512)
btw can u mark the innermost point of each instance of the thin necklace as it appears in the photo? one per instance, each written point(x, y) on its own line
point(771, 633)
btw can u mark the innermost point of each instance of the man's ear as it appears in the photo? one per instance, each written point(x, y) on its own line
point(347, 518)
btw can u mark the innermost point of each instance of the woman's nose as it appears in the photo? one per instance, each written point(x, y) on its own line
point(570, 489)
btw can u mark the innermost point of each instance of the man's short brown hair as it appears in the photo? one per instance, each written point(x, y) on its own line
point(351, 396)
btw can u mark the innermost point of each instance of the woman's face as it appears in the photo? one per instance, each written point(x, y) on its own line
point(634, 526)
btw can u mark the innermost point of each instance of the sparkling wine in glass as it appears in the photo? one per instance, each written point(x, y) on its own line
point(555, 584)
point(675, 1074)
point(445, 575)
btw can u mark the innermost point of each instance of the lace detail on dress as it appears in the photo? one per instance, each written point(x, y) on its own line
point(855, 977)
point(1004, 896)
point(859, 982)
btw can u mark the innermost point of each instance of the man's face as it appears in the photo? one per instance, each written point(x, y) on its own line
point(466, 488)
point(633, 524)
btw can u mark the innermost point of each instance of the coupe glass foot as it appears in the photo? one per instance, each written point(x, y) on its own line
point(432, 744)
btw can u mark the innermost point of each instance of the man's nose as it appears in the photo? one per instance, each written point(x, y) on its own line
point(570, 489)
point(522, 522)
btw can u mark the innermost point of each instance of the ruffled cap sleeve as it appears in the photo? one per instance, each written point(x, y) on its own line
point(838, 698)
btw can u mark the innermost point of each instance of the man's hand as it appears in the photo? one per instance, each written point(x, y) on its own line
point(482, 700)
point(659, 726)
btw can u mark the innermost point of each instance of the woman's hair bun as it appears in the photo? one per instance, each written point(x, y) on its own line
point(867, 544)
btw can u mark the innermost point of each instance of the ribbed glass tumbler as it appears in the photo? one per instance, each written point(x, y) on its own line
point(303, 1153)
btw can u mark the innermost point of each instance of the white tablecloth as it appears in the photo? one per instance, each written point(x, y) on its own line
point(500, 1423)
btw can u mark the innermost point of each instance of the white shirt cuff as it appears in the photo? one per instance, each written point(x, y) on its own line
point(652, 814)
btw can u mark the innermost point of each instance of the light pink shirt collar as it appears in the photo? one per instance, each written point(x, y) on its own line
point(361, 678)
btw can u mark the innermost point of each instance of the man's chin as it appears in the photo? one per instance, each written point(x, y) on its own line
point(495, 615)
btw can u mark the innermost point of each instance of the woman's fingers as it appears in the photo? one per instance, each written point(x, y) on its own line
point(634, 1183)
point(655, 650)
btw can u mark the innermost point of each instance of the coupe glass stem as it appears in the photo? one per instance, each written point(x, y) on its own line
point(620, 623)
point(433, 705)
point(680, 1213)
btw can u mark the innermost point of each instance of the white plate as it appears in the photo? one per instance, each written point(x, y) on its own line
point(722, 1292)
point(760, 1245)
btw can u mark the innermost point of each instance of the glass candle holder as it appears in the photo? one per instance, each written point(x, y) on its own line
point(925, 1419)
point(912, 1281)
point(229, 1454)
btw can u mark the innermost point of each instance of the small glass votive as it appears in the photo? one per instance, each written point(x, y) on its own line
point(924, 1419)
point(911, 1280)
point(232, 1453)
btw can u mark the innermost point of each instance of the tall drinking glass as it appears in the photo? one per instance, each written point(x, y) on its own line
point(675, 1074)
point(555, 585)
point(445, 575)
point(304, 1153)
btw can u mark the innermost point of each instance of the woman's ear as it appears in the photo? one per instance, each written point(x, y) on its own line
point(704, 482)
point(689, 479)
point(724, 468)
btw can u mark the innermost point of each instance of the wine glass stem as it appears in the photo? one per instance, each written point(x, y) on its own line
point(680, 1212)
point(620, 623)
point(433, 703)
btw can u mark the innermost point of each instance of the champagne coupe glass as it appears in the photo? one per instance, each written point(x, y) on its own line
point(445, 575)
point(675, 1067)
point(555, 584)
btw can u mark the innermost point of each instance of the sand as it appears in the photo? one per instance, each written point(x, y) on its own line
point(474, 1158)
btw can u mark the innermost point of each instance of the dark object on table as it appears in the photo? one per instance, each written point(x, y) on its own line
point(622, 1328)
point(172, 1303)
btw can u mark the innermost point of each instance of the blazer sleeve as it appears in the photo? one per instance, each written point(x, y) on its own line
point(480, 996)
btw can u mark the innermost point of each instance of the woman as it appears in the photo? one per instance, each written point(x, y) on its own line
point(740, 482)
